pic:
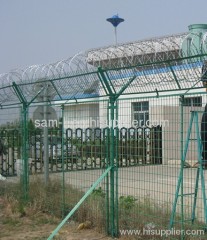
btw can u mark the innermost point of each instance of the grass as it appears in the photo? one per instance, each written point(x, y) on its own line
point(45, 203)
point(45, 207)
point(143, 213)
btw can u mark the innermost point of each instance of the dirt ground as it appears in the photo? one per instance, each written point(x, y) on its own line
point(38, 226)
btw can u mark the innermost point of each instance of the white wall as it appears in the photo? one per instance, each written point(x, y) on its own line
point(81, 115)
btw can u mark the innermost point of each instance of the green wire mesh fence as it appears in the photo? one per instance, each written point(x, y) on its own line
point(109, 135)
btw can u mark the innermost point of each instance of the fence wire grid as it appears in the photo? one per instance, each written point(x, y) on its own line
point(114, 139)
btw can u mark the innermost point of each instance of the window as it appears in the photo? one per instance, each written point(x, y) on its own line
point(140, 113)
point(192, 102)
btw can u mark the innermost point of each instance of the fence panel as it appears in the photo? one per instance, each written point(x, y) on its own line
point(148, 188)
point(149, 140)
point(10, 141)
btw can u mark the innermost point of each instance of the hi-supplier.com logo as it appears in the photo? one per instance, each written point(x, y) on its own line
point(151, 231)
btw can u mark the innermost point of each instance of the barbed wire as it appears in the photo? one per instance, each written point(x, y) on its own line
point(154, 62)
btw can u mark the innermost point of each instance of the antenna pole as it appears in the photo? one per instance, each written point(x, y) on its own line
point(115, 33)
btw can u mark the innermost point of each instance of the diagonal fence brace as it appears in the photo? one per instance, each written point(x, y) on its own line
point(90, 190)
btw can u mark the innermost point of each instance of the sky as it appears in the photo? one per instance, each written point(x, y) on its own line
point(46, 31)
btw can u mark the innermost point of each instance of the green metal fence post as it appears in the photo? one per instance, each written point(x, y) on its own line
point(63, 162)
point(112, 110)
point(117, 177)
point(107, 177)
point(109, 193)
point(182, 163)
point(112, 107)
point(113, 117)
point(25, 176)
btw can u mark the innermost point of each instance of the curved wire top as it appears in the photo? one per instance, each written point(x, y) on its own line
point(77, 77)
point(139, 52)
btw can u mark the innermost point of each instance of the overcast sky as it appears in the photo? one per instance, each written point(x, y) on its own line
point(45, 31)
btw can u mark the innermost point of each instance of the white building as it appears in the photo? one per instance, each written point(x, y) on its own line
point(153, 98)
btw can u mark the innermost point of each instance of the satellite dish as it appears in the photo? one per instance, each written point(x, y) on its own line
point(38, 116)
point(46, 91)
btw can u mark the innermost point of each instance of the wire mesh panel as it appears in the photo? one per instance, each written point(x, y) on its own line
point(138, 146)
point(86, 148)
point(94, 209)
point(122, 127)
point(147, 190)
point(10, 141)
point(45, 137)
point(77, 158)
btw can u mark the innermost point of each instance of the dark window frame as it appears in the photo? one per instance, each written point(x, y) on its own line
point(141, 111)
point(192, 101)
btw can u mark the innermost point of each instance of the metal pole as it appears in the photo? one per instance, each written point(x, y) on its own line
point(115, 34)
point(112, 156)
point(25, 175)
point(111, 114)
point(182, 163)
point(45, 139)
point(63, 163)
point(117, 177)
point(24, 178)
point(107, 177)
